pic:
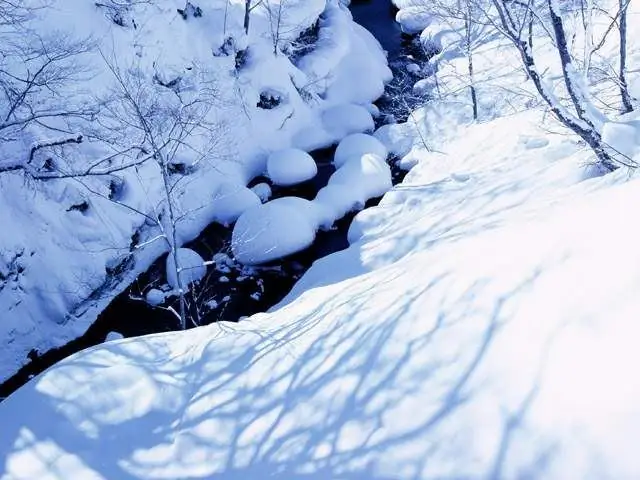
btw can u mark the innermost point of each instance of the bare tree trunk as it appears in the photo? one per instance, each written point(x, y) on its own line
point(174, 245)
point(468, 46)
point(581, 124)
point(569, 72)
point(247, 15)
point(622, 76)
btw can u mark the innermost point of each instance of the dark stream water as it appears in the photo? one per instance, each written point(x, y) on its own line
point(229, 290)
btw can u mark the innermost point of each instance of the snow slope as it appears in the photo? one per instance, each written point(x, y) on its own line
point(59, 264)
point(481, 325)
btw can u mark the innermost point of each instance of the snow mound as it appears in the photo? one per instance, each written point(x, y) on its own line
point(356, 145)
point(191, 266)
point(343, 120)
point(263, 191)
point(366, 177)
point(273, 230)
point(624, 137)
point(337, 200)
point(291, 166)
point(155, 297)
point(413, 19)
point(231, 200)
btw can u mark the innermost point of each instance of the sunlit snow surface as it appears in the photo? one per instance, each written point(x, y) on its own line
point(481, 325)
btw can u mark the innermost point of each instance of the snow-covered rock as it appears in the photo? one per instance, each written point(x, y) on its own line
point(291, 166)
point(111, 336)
point(191, 266)
point(273, 230)
point(356, 145)
point(366, 177)
point(263, 191)
point(155, 297)
point(231, 200)
point(343, 120)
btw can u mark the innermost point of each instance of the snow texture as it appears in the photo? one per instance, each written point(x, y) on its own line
point(191, 268)
point(466, 333)
point(291, 166)
point(356, 145)
point(60, 241)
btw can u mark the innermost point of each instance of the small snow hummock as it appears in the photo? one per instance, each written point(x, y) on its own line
point(263, 191)
point(366, 177)
point(231, 200)
point(624, 137)
point(191, 265)
point(155, 297)
point(356, 145)
point(345, 119)
point(111, 336)
point(291, 166)
point(271, 231)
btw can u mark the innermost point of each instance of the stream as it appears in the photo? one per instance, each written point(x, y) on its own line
point(231, 291)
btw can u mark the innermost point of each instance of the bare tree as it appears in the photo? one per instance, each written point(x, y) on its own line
point(580, 115)
point(36, 73)
point(165, 123)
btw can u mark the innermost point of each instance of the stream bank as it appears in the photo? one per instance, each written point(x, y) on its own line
point(231, 291)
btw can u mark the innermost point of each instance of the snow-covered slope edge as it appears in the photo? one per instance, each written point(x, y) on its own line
point(65, 251)
point(481, 325)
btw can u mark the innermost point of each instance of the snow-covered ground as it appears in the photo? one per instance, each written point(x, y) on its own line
point(61, 238)
point(482, 324)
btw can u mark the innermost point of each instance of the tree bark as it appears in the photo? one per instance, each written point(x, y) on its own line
point(627, 106)
point(247, 15)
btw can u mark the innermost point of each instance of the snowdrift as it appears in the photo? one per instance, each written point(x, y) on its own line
point(481, 325)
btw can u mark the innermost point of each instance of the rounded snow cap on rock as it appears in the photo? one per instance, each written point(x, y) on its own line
point(355, 146)
point(191, 265)
point(271, 231)
point(230, 200)
point(291, 166)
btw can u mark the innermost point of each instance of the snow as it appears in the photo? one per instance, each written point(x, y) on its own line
point(345, 119)
point(155, 297)
point(291, 166)
point(368, 176)
point(191, 268)
point(64, 256)
point(624, 137)
point(263, 191)
point(474, 329)
point(272, 230)
point(356, 145)
point(481, 324)
point(111, 336)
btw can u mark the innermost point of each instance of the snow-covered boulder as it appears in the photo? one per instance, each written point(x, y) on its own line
point(342, 120)
point(413, 19)
point(112, 336)
point(263, 191)
point(291, 166)
point(356, 145)
point(366, 177)
point(271, 231)
point(155, 297)
point(337, 200)
point(231, 200)
point(191, 266)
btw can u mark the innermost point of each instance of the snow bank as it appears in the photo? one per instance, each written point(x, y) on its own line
point(479, 328)
point(624, 137)
point(291, 166)
point(356, 145)
point(64, 239)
